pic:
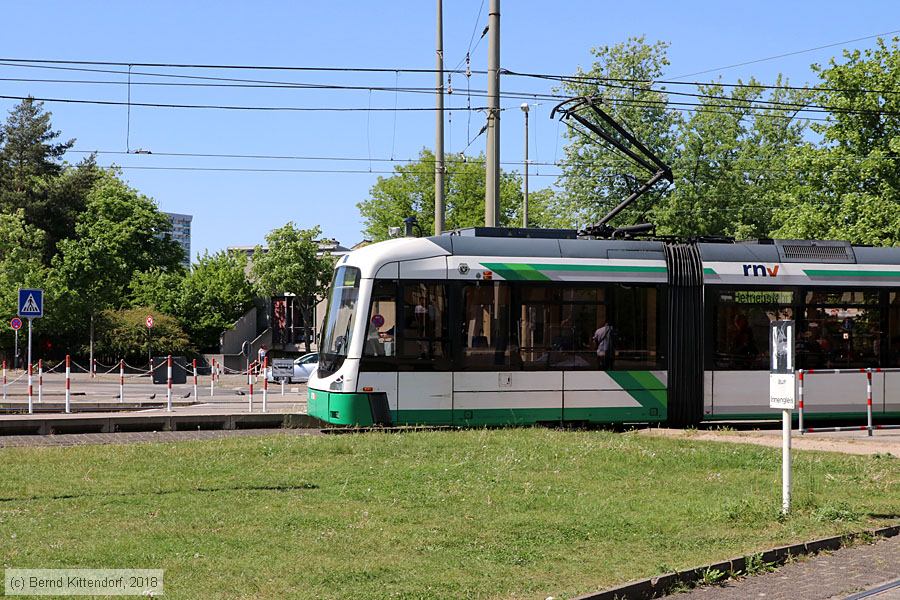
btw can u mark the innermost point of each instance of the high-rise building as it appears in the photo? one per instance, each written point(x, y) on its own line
point(181, 233)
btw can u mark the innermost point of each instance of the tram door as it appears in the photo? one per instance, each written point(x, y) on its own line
point(425, 382)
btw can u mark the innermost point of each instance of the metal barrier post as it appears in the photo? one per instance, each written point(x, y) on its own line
point(800, 402)
point(869, 400)
point(121, 380)
point(93, 368)
point(40, 381)
point(212, 377)
point(30, 390)
point(4, 381)
point(265, 383)
point(169, 383)
point(68, 384)
point(195, 378)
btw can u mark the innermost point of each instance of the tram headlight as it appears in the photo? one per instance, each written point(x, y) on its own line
point(337, 385)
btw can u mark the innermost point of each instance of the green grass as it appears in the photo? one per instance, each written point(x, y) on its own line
point(480, 513)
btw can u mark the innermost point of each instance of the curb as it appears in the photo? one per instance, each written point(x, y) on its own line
point(654, 587)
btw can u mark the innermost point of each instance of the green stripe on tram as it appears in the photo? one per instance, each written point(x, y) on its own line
point(536, 271)
point(643, 386)
point(851, 273)
point(516, 271)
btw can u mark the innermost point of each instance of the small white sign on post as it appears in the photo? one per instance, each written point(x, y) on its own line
point(782, 396)
point(781, 391)
point(282, 368)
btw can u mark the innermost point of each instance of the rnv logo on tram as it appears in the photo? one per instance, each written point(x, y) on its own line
point(760, 271)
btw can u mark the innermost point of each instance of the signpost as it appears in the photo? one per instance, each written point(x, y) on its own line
point(282, 368)
point(781, 395)
point(31, 306)
point(16, 324)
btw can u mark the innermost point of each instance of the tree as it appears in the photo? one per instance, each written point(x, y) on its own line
point(546, 208)
point(214, 295)
point(595, 178)
point(848, 184)
point(20, 264)
point(410, 191)
point(206, 301)
point(66, 199)
point(729, 167)
point(162, 290)
point(292, 265)
point(120, 233)
point(123, 334)
point(30, 158)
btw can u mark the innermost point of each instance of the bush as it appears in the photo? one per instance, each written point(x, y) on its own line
point(123, 334)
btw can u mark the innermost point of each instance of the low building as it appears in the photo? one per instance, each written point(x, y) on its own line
point(282, 322)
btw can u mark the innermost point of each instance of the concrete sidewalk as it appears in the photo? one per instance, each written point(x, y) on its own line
point(826, 576)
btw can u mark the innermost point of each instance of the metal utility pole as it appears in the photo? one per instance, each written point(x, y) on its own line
point(492, 160)
point(439, 126)
point(524, 108)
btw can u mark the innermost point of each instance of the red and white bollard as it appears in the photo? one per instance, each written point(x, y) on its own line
point(30, 391)
point(800, 401)
point(151, 367)
point(121, 380)
point(195, 378)
point(169, 383)
point(93, 368)
point(68, 384)
point(4, 381)
point(212, 377)
point(40, 381)
point(250, 381)
point(869, 399)
point(265, 383)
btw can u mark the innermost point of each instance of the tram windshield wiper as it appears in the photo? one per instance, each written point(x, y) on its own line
point(570, 110)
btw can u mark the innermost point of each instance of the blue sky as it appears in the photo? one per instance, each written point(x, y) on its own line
point(238, 208)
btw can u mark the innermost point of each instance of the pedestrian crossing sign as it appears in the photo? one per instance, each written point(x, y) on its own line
point(31, 303)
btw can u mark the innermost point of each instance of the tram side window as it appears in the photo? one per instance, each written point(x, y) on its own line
point(742, 326)
point(486, 342)
point(424, 325)
point(893, 341)
point(841, 329)
point(635, 328)
point(381, 336)
point(556, 326)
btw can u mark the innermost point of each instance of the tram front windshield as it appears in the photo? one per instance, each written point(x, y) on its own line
point(338, 326)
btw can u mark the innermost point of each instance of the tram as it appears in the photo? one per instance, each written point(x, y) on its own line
point(497, 326)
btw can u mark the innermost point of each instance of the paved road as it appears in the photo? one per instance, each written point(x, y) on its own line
point(106, 387)
point(826, 576)
point(103, 392)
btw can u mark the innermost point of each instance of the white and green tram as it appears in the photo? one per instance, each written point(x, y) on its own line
point(495, 327)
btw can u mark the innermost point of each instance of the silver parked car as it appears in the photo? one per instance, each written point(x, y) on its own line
point(303, 368)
